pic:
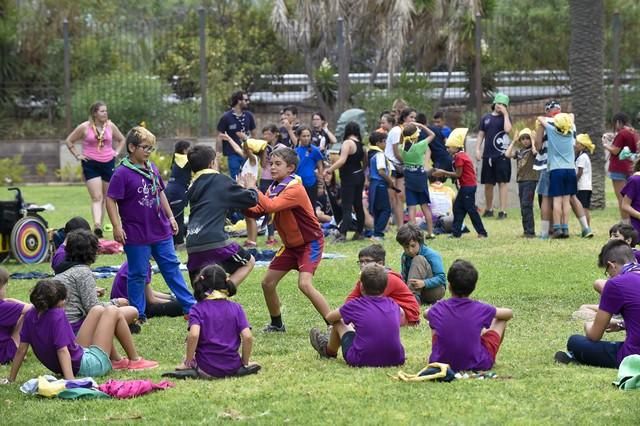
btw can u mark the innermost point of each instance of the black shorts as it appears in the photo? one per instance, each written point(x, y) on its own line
point(92, 169)
point(495, 170)
point(584, 197)
point(347, 341)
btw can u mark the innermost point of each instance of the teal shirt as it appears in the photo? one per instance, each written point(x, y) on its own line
point(415, 155)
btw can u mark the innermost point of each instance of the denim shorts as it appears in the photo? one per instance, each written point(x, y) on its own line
point(92, 169)
point(95, 362)
point(543, 183)
point(618, 176)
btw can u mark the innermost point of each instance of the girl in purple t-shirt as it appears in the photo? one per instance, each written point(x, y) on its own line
point(142, 221)
point(48, 331)
point(12, 313)
point(217, 327)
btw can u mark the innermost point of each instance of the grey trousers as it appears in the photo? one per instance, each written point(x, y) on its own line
point(421, 269)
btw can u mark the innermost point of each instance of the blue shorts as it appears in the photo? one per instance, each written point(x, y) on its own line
point(346, 342)
point(562, 182)
point(415, 198)
point(543, 183)
point(618, 176)
point(92, 169)
point(95, 362)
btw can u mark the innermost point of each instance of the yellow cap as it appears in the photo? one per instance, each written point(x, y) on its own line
point(527, 132)
point(584, 140)
point(563, 122)
point(456, 137)
point(256, 145)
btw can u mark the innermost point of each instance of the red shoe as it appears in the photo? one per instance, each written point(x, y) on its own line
point(141, 364)
point(249, 244)
point(121, 364)
point(271, 242)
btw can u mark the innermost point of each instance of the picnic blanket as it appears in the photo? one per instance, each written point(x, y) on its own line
point(49, 387)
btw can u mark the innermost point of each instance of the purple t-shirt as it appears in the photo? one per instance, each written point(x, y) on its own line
point(632, 190)
point(46, 333)
point(377, 323)
point(119, 287)
point(142, 218)
point(9, 314)
point(621, 295)
point(59, 256)
point(458, 323)
point(221, 322)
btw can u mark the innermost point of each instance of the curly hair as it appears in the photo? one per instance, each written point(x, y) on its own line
point(47, 294)
point(82, 247)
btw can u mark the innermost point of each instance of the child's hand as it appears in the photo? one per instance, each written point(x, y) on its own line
point(100, 291)
point(119, 234)
point(174, 225)
point(248, 181)
point(241, 136)
point(415, 284)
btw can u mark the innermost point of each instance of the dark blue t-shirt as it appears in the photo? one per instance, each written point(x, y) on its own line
point(496, 140)
point(284, 135)
point(232, 123)
point(439, 154)
point(309, 157)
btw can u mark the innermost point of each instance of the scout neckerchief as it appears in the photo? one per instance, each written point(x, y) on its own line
point(146, 172)
point(217, 295)
point(277, 187)
point(408, 141)
point(180, 159)
point(630, 267)
point(99, 135)
point(201, 173)
point(387, 164)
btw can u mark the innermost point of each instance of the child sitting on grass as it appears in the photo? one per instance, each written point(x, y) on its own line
point(298, 226)
point(12, 313)
point(48, 331)
point(217, 327)
point(465, 333)
point(367, 328)
point(422, 267)
point(396, 289)
point(72, 224)
point(620, 295)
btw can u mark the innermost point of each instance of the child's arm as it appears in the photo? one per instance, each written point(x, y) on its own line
point(166, 208)
point(192, 344)
point(247, 344)
point(579, 171)
point(504, 314)
point(537, 142)
point(288, 199)
point(627, 208)
point(333, 316)
point(509, 152)
point(112, 210)
point(456, 174)
point(64, 358)
point(17, 360)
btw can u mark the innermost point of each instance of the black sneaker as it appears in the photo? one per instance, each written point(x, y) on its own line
point(487, 213)
point(270, 328)
point(319, 341)
point(562, 357)
point(357, 237)
point(557, 233)
point(135, 328)
point(98, 232)
point(339, 238)
point(502, 215)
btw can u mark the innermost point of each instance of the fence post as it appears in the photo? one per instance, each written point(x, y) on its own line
point(204, 114)
point(616, 29)
point(343, 68)
point(67, 75)
point(478, 63)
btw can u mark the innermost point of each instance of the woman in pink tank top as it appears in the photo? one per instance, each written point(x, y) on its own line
point(102, 142)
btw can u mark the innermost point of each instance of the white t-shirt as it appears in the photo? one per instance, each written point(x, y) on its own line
point(247, 168)
point(583, 161)
point(393, 138)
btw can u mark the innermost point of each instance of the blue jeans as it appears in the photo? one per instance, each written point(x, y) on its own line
point(526, 192)
point(235, 164)
point(600, 354)
point(464, 203)
point(381, 210)
point(138, 256)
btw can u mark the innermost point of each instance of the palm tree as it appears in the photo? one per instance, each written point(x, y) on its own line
point(586, 55)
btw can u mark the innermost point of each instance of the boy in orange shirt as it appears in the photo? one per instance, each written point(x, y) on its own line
point(299, 229)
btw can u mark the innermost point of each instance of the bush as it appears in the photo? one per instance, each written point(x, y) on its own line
point(163, 162)
point(41, 169)
point(71, 172)
point(12, 170)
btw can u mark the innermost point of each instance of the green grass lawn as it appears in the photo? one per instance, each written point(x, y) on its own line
point(542, 281)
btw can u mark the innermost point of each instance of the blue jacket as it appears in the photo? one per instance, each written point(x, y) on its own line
point(437, 267)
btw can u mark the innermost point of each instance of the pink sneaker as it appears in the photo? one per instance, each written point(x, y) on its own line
point(121, 364)
point(141, 364)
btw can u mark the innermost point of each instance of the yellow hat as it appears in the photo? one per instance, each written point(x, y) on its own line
point(256, 145)
point(527, 132)
point(584, 140)
point(456, 137)
point(563, 123)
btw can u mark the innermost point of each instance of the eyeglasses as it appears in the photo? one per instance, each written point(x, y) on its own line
point(147, 148)
point(606, 270)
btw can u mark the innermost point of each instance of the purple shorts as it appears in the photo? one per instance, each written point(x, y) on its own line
point(231, 258)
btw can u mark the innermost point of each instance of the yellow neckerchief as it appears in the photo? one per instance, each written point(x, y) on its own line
point(203, 172)
point(180, 159)
point(378, 149)
point(218, 295)
point(375, 148)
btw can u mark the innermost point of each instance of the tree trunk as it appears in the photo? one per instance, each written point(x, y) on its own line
point(586, 56)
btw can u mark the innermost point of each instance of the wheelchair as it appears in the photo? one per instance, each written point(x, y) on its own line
point(24, 234)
